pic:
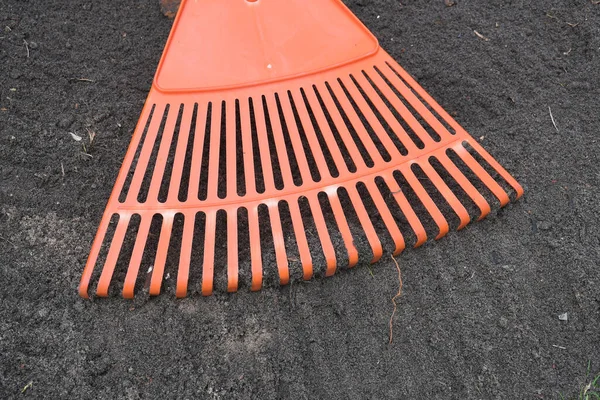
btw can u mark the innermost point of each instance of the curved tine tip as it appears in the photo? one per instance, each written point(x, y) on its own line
point(443, 231)
point(83, 291)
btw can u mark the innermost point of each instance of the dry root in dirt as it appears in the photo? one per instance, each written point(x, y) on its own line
point(394, 299)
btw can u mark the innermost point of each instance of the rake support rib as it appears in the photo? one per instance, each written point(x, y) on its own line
point(307, 108)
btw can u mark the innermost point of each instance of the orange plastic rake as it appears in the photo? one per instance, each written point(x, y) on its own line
point(275, 104)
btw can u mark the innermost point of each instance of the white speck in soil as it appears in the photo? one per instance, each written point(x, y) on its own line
point(564, 317)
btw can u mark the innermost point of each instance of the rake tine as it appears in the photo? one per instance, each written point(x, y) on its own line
point(183, 272)
point(387, 115)
point(407, 210)
point(136, 256)
point(161, 254)
point(163, 153)
point(365, 221)
point(232, 251)
point(179, 159)
point(398, 104)
point(300, 234)
point(282, 156)
point(93, 257)
point(263, 145)
point(214, 152)
point(344, 229)
point(328, 251)
point(246, 127)
point(230, 133)
point(280, 254)
point(429, 204)
point(255, 249)
point(196, 164)
point(467, 186)
point(147, 146)
point(445, 191)
point(386, 216)
point(359, 127)
point(482, 174)
point(419, 107)
point(208, 265)
point(113, 255)
point(499, 169)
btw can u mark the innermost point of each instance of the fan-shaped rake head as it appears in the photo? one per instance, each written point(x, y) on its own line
point(274, 128)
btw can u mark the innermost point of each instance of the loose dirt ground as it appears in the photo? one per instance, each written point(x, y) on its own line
point(479, 314)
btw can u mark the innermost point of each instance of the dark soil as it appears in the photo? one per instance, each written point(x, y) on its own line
point(479, 314)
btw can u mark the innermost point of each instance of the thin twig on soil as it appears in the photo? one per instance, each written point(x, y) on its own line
point(480, 36)
point(394, 299)
point(29, 385)
point(552, 118)
point(83, 80)
point(26, 47)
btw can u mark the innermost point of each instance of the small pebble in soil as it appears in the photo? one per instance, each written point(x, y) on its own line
point(564, 317)
point(503, 322)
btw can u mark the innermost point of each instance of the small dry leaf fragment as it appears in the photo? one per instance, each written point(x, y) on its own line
point(449, 3)
point(169, 7)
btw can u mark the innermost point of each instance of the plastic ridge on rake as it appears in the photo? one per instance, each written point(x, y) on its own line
point(282, 106)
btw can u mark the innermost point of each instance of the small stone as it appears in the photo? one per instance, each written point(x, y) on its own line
point(564, 317)
point(33, 45)
point(15, 74)
point(68, 45)
point(503, 322)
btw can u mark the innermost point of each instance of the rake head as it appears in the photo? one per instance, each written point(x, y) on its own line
point(264, 118)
